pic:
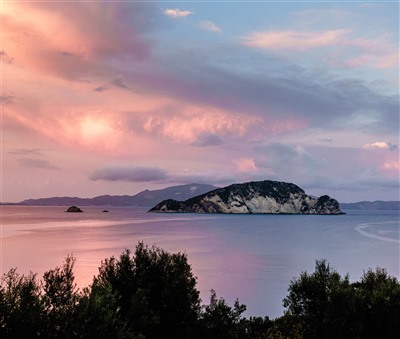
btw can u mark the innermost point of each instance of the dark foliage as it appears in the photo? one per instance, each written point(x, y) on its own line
point(21, 306)
point(60, 300)
point(152, 294)
point(325, 305)
point(155, 292)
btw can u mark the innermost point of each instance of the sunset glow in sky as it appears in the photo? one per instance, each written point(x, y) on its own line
point(110, 97)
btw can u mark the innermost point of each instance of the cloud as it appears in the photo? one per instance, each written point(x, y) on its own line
point(129, 173)
point(89, 35)
point(360, 187)
point(378, 52)
point(120, 82)
point(380, 145)
point(6, 58)
point(37, 163)
point(33, 162)
point(177, 13)
point(370, 5)
point(100, 89)
point(158, 175)
point(392, 165)
point(293, 40)
point(364, 182)
point(245, 165)
point(371, 179)
point(208, 92)
point(193, 125)
point(284, 97)
point(209, 26)
point(68, 54)
point(207, 139)
point(325, 139)
point(206, 177)
point(314, 168)
point(290, 161)
point(7, 99)
point(140, 174)
point(25, 151)
point(358, 174)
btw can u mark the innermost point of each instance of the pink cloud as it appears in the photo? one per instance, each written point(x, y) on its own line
point(209, 26)
point(177, 13)
point(245, 165)
point(293, 40)
point(116, 122)
point(86, 44)
point(193, 121)
point(70, 40)
point(393, 165)
point(380, 145)
point(379, 52)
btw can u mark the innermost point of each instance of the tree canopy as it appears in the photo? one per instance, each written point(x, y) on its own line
point(326, 305)
point(151, 293)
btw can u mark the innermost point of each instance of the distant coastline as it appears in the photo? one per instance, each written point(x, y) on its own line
point(148, 198)
point(372, 205)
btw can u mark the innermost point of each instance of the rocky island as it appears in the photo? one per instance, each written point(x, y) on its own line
point(74, 209)
point(263, 197)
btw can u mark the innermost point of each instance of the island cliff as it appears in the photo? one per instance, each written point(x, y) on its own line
point(268, 197)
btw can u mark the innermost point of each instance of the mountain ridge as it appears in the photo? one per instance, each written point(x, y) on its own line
point(146, 198)
point(390, 205)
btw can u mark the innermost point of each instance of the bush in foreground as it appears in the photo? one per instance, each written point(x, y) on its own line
point(152, 294)
point(325, 305)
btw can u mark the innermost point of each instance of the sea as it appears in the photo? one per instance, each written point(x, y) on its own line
point(249, 257)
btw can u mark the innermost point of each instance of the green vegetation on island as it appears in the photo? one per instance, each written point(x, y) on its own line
point(152, 294)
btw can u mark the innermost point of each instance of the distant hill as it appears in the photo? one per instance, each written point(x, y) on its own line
point(145, 198)
point(371, 205)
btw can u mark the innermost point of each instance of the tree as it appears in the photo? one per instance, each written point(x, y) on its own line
point(155, 292)
point(322, 304)
point(325, 305)
point(21, 308)
point(152, 294)
point(257, 327)
point(378, 304)
point(61, 299)
point(219, 320)
point(98, 316)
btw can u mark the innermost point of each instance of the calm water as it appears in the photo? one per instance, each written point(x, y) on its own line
point(250, 257)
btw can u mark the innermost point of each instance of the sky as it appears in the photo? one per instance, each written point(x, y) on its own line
point(114, 97)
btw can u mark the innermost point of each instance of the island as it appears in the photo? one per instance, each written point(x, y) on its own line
point(261, 197)
point(74, 209)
